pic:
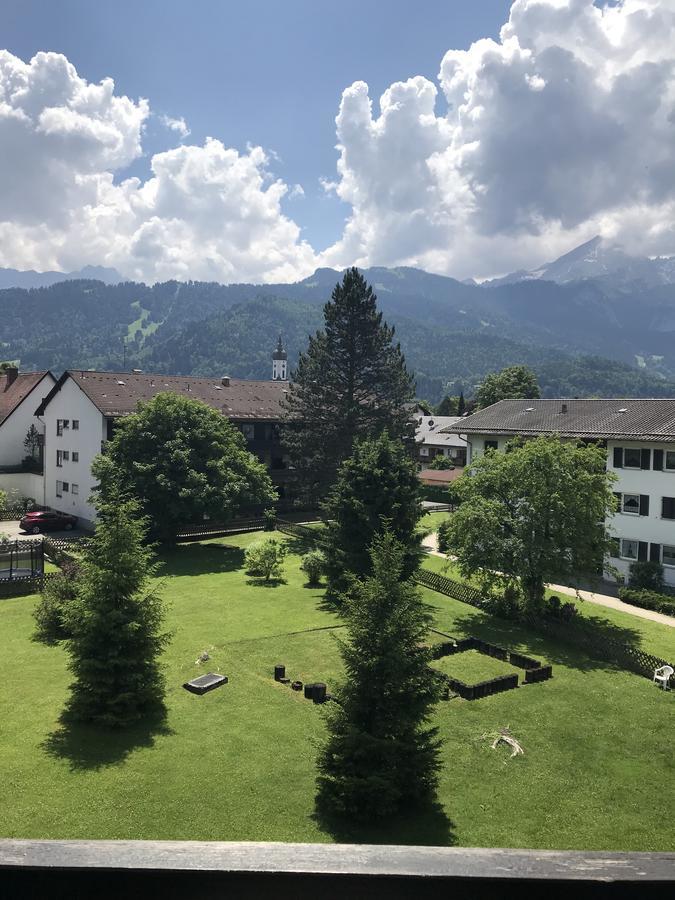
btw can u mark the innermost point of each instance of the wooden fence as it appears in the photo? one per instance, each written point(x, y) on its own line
point(602, 648)
point(207, 530)
point(24, 585)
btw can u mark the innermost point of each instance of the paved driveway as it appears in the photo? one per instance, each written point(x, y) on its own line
point(12, 529)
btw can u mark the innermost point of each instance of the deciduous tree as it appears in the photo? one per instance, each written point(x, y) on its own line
point(512, 383)
point(532, 516)
point(183, 461)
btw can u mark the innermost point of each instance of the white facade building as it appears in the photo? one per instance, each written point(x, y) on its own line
point(432, 440)
point(280, 363)
point(639, 436)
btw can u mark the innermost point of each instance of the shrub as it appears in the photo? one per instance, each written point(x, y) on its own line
point(53, 612)
point(270, 517)
point(648, 600)
point(563, 612)
point(264, 559)
point(3, 501)
point(647, 575)
point(313, 565)
point(441, 462)
point(443, 536)
point(507, 604)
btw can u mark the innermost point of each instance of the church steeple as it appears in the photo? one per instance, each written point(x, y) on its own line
point(280, 363)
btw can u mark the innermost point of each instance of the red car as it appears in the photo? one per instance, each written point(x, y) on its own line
point(35, 522)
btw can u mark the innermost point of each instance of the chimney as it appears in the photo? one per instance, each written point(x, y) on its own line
point(225, 381)
point(12, 374)
point(563, 408)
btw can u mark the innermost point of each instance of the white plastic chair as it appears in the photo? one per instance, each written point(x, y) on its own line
point(662, 676)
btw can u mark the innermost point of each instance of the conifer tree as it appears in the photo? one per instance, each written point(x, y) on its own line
point(351, 383)
point(376, 488)
point(381, 755)
point(116, 623)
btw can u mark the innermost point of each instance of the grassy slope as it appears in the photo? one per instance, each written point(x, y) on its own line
point(238, 764)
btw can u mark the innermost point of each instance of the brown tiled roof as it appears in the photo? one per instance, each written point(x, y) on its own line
point(635, 420)
point(11, 395)
point(118, 393)
point(439, 476)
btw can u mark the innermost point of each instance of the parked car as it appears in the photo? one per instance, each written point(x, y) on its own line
point(36, 522)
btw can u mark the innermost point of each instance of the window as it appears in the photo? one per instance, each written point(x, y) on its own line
point(76, 456)
point(59, 427)
point(629, 549)
point(631, 458)
point(631, 504)
point(59, 458)
point(64, 486)
point(668, 507)
point(74, 489)
point(59, 486)
point(668, 558)
point(490, 445)
point(424, 451)
point(670, 460)
point(66, 455)
point(76, 424)
point(248, 431)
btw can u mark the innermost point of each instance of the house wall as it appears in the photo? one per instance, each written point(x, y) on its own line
point(71, 403)
point(14, 429)
point(651, 528)
point(23, 484)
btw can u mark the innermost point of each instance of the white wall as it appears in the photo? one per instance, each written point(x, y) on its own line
point(23, 484)
point(72, 403)
point(656, 485)
point(14, 429)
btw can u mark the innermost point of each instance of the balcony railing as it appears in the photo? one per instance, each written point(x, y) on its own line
point(214, 869)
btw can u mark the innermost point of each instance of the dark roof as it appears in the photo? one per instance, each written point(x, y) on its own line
point(12, 395)
point(439, 476)
point(118, 393)
point(636, 419)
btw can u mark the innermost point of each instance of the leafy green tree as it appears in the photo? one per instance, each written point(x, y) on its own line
point(55, 608)
point(350, 384)
point(313, 565)
point(183, 461)
point(532, 516)
point(4, 499)
point(461, 404)
point(116, 623)
point(377, 488)
point(512, 383)
point(381, 755)
point(264, 559)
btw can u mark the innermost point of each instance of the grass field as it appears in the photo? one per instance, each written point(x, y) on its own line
point(238, 763)
point(472, 667)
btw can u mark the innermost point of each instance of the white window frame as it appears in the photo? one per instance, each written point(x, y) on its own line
point(630, 512)
point(74, 489)
point(59, 488)
point(663, 562)
point(66, 455)
point(632, 450)
point(424, 451)
point(622, 541)
point(59, 459)
point(65, 487)
point(75, 456)
point(666, 467)
point(76, 424)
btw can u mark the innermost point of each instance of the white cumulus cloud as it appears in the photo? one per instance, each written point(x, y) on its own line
point(179, 125)
point(205, 212)
point(562, 129)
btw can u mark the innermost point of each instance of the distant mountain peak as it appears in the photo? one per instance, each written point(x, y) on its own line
point(16, 278)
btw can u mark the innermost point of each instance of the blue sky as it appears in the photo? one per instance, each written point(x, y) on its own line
point(508, 133)
point(268, 73)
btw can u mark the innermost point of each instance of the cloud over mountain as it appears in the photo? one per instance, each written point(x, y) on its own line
point(206, 212)
point(562, 129)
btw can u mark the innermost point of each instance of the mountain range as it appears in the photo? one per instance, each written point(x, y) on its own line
point(594, 322)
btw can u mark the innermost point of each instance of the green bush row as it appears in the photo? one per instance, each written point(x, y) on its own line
point(648, 600)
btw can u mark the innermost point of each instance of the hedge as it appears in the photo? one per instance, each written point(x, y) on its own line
point(661, 603)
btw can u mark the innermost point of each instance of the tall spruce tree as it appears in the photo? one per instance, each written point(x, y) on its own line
point(381, 755)
point(377, 488)
point(351, 383)
point(116, 623)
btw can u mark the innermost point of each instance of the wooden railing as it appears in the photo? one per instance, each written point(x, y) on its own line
point(206, 530)
point(181, 869)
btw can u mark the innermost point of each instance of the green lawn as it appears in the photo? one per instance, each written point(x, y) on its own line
point(472, 667)
point(238, 763)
